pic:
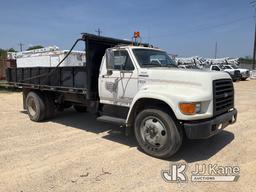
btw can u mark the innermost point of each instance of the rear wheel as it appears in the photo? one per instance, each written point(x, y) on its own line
point(243, 78)
point(157, 133)
point(36, 106)
point(50, 106)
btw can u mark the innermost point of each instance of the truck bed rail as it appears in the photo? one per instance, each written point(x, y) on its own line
point(65, 79)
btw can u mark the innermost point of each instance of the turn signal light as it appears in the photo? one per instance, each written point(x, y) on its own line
point(188, 108)
point(136, 34)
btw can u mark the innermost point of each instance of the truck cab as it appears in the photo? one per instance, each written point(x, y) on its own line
point(122, 83)
point(195, 103)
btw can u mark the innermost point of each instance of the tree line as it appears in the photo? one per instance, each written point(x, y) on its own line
point(3, 52)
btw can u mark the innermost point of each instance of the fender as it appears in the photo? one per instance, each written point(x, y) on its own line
point(172, 95)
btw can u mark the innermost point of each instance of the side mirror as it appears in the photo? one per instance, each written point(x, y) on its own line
point(109, 61)
point(109, 72)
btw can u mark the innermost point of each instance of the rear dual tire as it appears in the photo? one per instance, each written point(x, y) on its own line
point(36, 106)
point(39, 106)
point(157, 134)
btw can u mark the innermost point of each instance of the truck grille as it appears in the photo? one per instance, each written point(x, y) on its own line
point(237, 73)
point(223, 96)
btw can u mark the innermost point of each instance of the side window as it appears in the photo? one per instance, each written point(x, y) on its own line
point(215, 68)
point(122, 61)
point(228, 67)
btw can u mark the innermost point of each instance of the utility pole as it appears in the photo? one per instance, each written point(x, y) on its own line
point(21, 46)
point(254, 50)
point(253, 3)
point(216, 50)
point(98, 31)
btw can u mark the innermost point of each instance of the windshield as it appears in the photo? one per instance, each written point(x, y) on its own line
point(234, 66)
point(153, 58)
point(226, 67)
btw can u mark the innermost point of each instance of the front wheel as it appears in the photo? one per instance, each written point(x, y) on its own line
point(157, 133)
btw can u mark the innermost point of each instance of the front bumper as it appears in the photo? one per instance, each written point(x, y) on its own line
point(208, 128)
point(235, 77)
point(245, 75)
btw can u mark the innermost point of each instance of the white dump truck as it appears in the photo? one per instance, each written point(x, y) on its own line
point(122, 83)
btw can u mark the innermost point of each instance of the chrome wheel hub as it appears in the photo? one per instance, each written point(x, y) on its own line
point(153, 132)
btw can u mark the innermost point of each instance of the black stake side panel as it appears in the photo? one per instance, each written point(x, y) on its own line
point(73, 77)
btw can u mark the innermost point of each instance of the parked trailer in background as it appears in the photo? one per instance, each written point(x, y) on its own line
point(49, 57)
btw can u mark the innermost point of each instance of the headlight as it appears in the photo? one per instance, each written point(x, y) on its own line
point(190, 108)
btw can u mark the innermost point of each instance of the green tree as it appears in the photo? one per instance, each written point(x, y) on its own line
point(3, 54)
point(35, 47)
point(11, 50)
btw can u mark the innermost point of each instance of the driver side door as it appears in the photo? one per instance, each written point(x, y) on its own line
point(119, 87)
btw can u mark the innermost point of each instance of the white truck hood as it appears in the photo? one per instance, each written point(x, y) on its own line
point(180, 85)
point(243, 70)
point(182, 76)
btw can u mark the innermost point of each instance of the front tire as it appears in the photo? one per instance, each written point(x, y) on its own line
point(157, 133)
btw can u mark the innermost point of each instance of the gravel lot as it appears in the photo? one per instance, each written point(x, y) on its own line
point(74, 152)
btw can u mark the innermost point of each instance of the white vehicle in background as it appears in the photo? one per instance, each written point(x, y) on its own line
point(217, 61)
point(189, 60)
point(245, 73)
point(192, 66)
point(234, 74)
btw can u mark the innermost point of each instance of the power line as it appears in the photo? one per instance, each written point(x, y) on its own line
point(216, 50)
point(188, 31)
point(21, 46)
point(253, 3)
point(98, 31)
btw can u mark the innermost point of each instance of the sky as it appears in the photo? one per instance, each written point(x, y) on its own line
point(186, 28)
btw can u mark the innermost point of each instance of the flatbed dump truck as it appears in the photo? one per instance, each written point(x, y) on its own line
point(121, 83)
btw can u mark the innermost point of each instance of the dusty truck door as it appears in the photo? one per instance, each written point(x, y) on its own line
point(118, 80)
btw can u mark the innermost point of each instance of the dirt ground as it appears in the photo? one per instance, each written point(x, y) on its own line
point(74, 152)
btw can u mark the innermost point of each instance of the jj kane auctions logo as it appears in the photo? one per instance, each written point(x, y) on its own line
point(201, 173)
